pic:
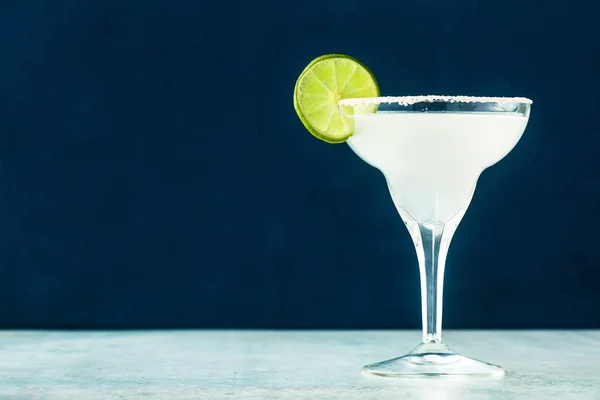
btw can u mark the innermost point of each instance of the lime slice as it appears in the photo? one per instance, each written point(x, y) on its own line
point(324, 82)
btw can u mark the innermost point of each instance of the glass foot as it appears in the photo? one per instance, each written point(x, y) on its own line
point(434, 359)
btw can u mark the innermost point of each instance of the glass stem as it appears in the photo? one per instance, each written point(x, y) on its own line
point(431, 240)
point(432, 259)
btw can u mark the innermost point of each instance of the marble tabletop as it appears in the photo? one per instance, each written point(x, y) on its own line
point(171, 365)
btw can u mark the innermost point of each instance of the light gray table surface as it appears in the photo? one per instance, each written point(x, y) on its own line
point(173, 365)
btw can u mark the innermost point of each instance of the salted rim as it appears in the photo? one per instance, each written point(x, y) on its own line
point(410, 100)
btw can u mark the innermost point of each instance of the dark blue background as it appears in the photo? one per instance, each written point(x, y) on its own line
point(153, 172)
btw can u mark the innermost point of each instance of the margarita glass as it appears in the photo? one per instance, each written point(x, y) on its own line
point(432, 150)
